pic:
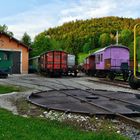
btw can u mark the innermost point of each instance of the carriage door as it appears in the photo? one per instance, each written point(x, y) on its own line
point(16, 63)
point(107, 64)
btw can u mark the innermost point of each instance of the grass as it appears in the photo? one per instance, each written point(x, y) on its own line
point(8, 89)
point(15, 127)
point(82, 56)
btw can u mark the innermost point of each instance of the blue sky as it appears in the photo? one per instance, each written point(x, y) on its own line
point(34, 16)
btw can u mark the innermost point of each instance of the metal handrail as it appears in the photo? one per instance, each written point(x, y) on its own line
point(135, 75)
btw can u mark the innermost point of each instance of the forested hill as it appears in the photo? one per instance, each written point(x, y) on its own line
point(88, 28)
point(86, 35)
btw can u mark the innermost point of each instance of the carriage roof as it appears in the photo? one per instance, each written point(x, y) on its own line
point(110, 46)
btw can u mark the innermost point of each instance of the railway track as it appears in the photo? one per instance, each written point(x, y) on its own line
point(57, 85)
point(103, 109)
point(126, 118)
point(117, 83)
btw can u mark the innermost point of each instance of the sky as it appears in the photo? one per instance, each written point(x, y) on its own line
point(35, 16)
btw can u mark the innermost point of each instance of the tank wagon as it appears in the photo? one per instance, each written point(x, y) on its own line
point(54, 63)
point(109, 61)
point(72, 68)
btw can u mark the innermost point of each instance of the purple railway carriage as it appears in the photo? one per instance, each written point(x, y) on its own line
point(112, 60)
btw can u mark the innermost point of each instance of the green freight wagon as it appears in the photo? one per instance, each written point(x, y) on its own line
point(34, 64)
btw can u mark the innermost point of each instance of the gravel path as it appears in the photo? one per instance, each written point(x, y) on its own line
point(7, 100)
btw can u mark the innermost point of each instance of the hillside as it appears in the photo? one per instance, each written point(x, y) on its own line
point(91, 27)
point(82, 36)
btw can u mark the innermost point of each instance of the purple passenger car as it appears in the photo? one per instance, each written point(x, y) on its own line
point(111, 61)
point(111, 57)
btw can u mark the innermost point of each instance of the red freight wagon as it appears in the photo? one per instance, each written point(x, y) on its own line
point(54, 62)
point(89, 65)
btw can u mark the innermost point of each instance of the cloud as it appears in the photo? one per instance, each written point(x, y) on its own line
point(31, 22)
point(36, 20)
point(93, 8)
point(87, 9)
point(56, 12)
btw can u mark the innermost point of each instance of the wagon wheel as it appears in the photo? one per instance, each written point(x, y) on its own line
point(75, 73)
point(132, 82)
point(125, 76)
point(111, 75)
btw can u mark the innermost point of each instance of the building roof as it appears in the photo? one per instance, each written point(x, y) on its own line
point(11, 37)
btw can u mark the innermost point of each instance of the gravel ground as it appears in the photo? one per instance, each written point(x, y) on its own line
point(16, 102)
point(95, 123)
point(7, 100)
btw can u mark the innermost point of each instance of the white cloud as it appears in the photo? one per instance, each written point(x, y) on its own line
point(87, 9)
point(53, 14)
point(93, 8)
point(31, 22)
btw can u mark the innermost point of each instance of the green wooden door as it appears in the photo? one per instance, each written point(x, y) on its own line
point(6, 61)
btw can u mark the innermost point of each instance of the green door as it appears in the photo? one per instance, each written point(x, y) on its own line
point(5, 61)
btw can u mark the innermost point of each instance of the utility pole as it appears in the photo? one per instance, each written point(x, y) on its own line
point(117, 38)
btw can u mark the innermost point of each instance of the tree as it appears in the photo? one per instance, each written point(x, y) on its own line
point(74, 37)
point(26, 39)
point(4, 28)
point(113, 38)
point(104, 39)
point(86, 47)
point(89, 45)
point(138, 48)
point(56, 45)
point(72, 47)
point(126, 37)
point(131, 49)
point(41, 44)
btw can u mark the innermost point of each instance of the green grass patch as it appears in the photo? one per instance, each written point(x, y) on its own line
point(8, 89)
point(15, 127)
point(82, 56)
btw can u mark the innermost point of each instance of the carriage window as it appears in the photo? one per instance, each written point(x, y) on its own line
point(101, 57)
point(98, 58)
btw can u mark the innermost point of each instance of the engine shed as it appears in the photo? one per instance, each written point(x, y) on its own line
point(13, 55)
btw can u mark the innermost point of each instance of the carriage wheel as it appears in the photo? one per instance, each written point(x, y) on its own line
point(132, 82)
point(75, 73)
point(125, 76)
point(111, 75)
